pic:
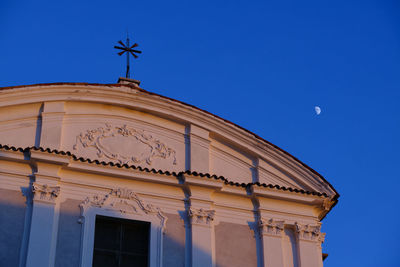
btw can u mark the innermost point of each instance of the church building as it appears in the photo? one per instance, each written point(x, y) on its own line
point(114, 175)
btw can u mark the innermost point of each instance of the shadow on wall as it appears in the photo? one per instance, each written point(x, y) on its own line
point(235, 244)
point(12, 221)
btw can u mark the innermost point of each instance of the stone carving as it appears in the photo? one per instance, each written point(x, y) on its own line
point(201, 216)
point(95, 138)
point(95, 201)
point(45, 193)
point(310, 232)
point(271, 227)
point(123, 200)
point(327, 204)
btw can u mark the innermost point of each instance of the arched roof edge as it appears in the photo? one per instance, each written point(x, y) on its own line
point(337, 195)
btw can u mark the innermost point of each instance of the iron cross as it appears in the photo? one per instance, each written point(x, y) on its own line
point(128, 49)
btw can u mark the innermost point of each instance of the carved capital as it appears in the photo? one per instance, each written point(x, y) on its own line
point(45, 193)
point(271, 227)
point(201, 216)
point(309, 232)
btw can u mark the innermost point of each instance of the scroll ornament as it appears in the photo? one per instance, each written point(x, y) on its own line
point(94, 138)
point(123, 200)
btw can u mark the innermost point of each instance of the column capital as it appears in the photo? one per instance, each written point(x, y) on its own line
point(45, 193)
point(271, 227)
point(201, 216)
point(309, 232)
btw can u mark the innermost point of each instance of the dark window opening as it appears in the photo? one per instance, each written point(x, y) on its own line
point(121, 243)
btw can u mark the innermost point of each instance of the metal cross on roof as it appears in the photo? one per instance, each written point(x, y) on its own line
point(128, 49)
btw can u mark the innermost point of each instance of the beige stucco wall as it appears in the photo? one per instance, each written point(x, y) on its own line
point(174, 242)
point(235, 245)
point(20, 125)
point(69, 234)
point(12, 219)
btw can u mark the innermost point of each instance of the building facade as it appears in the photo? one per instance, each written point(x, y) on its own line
point(113, 175)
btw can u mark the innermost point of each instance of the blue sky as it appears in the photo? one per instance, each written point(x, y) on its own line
point(261, 64)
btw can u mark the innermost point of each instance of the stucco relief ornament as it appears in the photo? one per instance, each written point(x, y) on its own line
point(271, 227)
point(310, 232)
point(201, 216)
point(95, 138)
point(122, 200)
point(95, 201)
point(45, 193)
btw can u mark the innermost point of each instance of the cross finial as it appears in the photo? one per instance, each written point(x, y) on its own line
point(128, 49)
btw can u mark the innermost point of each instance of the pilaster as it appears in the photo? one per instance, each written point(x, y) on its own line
point(309, 239)
point(43, 232)
point(45, 212)
point(201, 217)
point(202, 236)
point(271, 234)
point(199, 149)
point(52, 124)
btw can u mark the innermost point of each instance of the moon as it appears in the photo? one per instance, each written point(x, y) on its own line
point(317, 110)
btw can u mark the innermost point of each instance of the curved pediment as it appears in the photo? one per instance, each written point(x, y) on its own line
point(125, 124)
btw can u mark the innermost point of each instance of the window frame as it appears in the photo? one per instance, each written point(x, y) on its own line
point(107, 205)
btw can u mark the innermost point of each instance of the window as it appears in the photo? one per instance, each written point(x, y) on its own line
point(120, 242)
point(119, 228)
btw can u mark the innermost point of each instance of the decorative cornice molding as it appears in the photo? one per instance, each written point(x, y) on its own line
point(45, 193)
point(201, 216)
point(94, 138)
point(123, 200)
point(271, 227)
point(309, 232)
point(327, 204)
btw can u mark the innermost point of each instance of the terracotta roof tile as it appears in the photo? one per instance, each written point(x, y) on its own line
point(194, 173)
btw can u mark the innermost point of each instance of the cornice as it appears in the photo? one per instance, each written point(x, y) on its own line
point(192, 179)
point(287, 194)
point(62, 156)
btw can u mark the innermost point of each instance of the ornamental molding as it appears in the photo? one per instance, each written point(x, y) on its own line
point(201, 216)
point(271, 227)
point(327, 204)
point(124, 201)
point(309, 232)
point(45, 193)
point(95, 138)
